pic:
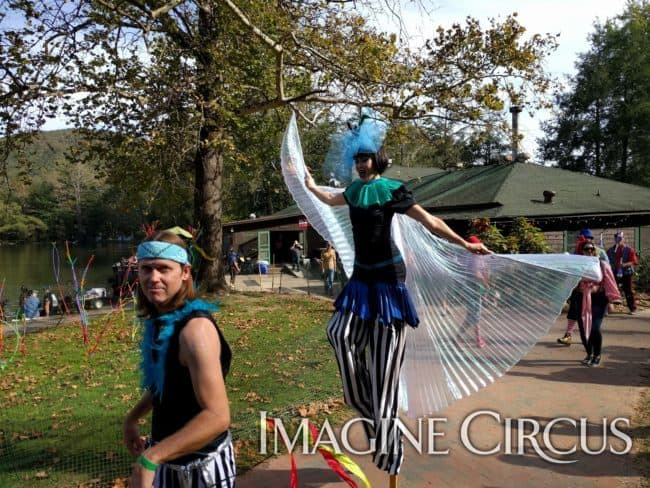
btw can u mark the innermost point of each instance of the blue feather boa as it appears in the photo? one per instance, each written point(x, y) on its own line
point(153, 371)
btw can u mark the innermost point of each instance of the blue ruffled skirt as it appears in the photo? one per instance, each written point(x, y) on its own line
point(384, 302)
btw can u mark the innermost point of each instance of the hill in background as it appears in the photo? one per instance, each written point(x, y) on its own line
point(39, 160)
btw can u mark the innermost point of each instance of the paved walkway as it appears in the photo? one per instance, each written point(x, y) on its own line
point(286, 282)
point(548, 383)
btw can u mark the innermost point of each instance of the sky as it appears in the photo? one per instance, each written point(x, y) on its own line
point(572, 19)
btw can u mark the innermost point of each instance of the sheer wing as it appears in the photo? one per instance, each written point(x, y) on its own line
point(479, 314)
point(332, 223)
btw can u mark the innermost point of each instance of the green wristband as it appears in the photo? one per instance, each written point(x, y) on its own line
point(146, 464)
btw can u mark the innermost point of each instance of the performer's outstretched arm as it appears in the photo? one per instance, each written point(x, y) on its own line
point(331, 199)
point(438, 227)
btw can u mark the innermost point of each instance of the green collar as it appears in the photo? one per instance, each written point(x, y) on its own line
point(375, 192)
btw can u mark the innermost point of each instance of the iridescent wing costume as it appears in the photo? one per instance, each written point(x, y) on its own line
point(479, 315)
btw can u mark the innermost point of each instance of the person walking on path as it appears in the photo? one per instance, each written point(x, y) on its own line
point(622, 259)
point(594, 297)
point(584, 237)
point(481, 284)
point(232, 263)
point(184, 362)
point(295, 250)
point(328, 268)
point(374, 308)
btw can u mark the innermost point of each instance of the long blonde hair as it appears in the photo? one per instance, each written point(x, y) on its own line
point(145, 308)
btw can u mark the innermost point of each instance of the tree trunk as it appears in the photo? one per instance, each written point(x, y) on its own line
point(597, 142)
point(208, 206)
point(208, 162)
point(625, 145)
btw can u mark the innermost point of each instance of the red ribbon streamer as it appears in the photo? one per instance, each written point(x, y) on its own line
point(336, 466)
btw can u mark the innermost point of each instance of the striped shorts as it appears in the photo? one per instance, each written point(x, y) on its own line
point(214, 469)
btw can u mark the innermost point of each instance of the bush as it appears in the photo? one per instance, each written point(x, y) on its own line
point(642, 278)
point(490, 235)
point(523, 237)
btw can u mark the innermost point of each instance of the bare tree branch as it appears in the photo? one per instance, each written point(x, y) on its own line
point(166, 8)
point(312, 121)
point(114, 8)
point(276, 46)
point(313, 97)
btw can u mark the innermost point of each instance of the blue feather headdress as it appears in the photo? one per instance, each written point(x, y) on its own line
point(367, 137)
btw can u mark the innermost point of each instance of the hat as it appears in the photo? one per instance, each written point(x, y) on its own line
point(587, 233)
point(365, 138)
point(474, 240)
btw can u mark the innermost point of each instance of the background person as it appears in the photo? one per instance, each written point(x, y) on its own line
point(328, 267)
point(50, 302)
point(594, 299)
point(481, 281)
point(232, 263)
point(622, 259)
point(32, 305)
point(585, 236)
point(184, 361)
point(22, 300)
point(296, 252)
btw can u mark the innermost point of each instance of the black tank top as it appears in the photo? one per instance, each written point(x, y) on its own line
point(178, 404)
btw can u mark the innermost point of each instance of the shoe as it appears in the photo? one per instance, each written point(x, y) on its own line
point(566, 340)
point(587, 360)
point(632, 312)
point(595, 362)
point(480, 342)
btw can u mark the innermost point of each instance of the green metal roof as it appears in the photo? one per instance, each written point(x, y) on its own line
point(516, 189)
point(408, 173)
point(513, 190)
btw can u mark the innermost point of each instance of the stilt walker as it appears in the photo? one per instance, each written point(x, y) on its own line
point(368, 329)
point(389, 363)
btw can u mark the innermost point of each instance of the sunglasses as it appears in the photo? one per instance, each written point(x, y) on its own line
point(588, 249)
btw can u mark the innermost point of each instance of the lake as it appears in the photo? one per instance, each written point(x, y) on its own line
point(31, 265)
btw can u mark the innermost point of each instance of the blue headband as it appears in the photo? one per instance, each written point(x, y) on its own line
point(162, 250)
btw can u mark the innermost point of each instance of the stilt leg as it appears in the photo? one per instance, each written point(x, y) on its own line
point(393, 481)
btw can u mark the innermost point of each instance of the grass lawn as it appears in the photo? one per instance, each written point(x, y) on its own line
point(61, 411)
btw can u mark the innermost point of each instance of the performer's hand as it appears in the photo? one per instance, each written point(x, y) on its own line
point(477, 248)
point(309, 181)
point(132, 439)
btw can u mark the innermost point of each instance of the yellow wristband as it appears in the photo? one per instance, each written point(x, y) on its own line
point(146, 464)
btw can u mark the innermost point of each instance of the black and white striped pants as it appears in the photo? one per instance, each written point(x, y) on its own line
point(214, 469)
point(370, 356)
